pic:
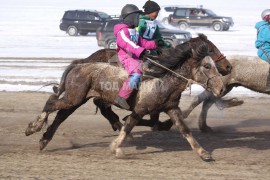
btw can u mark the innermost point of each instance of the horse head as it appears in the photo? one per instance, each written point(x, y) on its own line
point(205, 71)
point(192, 62)
point(223, 65)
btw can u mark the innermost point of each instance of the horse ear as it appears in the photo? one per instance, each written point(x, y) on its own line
point(203, 36)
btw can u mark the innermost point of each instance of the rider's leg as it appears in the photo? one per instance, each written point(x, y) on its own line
point(131, 83)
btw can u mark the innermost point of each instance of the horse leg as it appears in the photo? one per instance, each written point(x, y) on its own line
point(228, 103)
point(154, 123)
point(160, 126)
point(106, 111)
point(147, 122)
point(196, 101)
point(61, 116)
point(125, 130)
point(202, 118)
point(53, 104)
point(176, 116)
point(37, 125)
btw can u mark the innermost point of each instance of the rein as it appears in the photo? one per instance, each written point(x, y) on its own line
point(190, 81)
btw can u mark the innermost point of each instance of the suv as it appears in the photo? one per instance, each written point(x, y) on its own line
point(81, 22)
point(105, 36)
point(192, 17)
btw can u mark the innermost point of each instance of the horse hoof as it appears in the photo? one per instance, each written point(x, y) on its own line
point(206, 129)
point(207, 158)
point(43, 143)
point(113, 147)
point(30, 129)
point(119, 153)
point(235, 102)
point(117, 126)
point(129, 137)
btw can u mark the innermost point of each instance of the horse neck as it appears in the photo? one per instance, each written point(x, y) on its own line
point(185, 70)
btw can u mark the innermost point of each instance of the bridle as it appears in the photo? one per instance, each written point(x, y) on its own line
point(219, 58)
point(189, 81)
point(205, 84)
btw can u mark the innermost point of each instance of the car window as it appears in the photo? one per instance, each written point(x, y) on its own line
point(209, 12)
point(83, 15)
point(180, 12)
point(104, 15)
point(169, 9)
point(193, 12)
point(197, 12)
point(70, 15)
point(110, 25)
point(92, 17)
point(88, 16)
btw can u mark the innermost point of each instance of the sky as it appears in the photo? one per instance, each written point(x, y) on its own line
point(30, 29)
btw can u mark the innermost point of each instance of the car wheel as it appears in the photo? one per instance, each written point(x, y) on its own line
point(72, 31)
point(217, 26)
point(165, 20)
point(111, 44)
point(183, 25)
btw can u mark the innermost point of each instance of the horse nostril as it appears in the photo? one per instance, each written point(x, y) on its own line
point(221, 91)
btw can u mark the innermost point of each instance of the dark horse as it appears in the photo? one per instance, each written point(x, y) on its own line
point(110, 56)
point(156, 95)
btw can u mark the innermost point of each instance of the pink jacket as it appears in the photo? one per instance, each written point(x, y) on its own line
point(130, 44)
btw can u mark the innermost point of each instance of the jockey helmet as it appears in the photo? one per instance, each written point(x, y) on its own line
point(130, 14)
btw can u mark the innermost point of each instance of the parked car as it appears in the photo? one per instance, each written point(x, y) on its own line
point(106, 38)
point(82, 22)
point(199, 17)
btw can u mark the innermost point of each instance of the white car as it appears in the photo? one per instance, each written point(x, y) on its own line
point(164, 13)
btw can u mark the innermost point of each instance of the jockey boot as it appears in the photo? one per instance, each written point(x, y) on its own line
point(122, 102)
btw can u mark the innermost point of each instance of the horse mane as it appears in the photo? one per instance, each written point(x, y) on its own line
point(174, 58)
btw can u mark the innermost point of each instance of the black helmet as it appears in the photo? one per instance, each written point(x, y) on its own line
point(130, 14)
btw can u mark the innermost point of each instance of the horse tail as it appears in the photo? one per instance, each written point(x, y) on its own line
point(48, 85)
point(61, 88)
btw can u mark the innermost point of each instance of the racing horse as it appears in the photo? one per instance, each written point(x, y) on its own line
point(249, 72)
point(84, 81)
point(110, 56)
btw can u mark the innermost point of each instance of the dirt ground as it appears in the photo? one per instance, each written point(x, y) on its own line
point(240, 144)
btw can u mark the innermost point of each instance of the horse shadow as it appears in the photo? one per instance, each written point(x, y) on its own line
point(227, 136)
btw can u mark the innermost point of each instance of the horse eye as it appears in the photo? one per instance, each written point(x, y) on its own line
point(207, 66)
point(210, 51)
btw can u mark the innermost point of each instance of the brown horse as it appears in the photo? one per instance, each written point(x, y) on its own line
point(156, 95)
point(249, 72)
point(110, 56)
